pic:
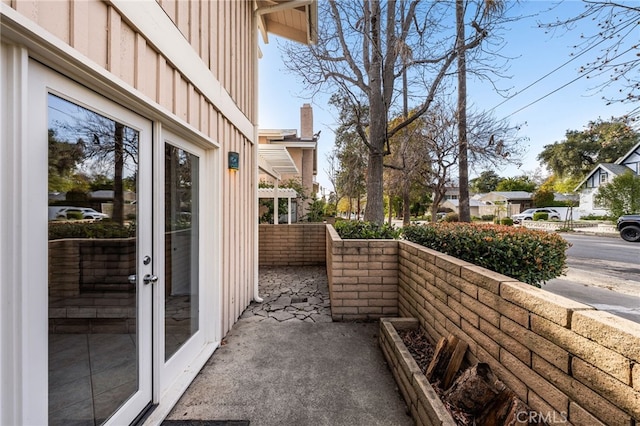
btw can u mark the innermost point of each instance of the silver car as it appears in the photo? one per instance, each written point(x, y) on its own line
point(528, 214)
point(86, 213)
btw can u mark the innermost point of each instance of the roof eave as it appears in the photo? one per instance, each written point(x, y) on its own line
point(306, 35)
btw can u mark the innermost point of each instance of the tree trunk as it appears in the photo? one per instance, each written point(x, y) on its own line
point(406, 202)
point(118, 189)
point(464, 211)
point(378, 122)
point(374, 211)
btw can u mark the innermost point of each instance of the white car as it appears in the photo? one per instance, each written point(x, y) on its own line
point(87, 213)
point(528, 214)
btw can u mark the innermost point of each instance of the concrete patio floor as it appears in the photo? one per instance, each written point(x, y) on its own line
point(285, 363)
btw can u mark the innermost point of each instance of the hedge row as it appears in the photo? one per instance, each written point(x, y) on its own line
point(355, 229)
point(101, 229)
point(527, 255)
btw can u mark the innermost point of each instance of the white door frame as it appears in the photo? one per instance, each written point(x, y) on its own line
point(171, 369)
point(23, 222)
point(42, 82)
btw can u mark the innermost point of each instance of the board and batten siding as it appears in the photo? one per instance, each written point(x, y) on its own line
point(220, 34)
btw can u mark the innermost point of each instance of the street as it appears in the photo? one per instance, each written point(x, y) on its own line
point(603, 272)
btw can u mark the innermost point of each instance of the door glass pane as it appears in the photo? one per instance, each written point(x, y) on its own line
point(181, 247)
point(93, 168)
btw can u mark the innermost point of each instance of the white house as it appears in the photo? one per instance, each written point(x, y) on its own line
point(600, 175)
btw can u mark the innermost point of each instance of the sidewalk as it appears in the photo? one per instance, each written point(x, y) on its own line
point(285, 363)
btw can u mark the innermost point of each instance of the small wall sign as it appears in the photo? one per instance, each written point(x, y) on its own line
point(234, 160)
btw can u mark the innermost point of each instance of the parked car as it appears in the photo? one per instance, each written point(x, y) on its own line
point(629, 227)
point(54, 210)
point(84, 212)
point(528, 214)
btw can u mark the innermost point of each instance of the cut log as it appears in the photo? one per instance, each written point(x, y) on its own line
point(496, 413)
point(441, 356)
point(437, 357)
point(454, 363)
point(475, 389)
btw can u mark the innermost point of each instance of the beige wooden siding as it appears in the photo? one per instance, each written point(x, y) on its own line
point(220, 32)
point(238, 203)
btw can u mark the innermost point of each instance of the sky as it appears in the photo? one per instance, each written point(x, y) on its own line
point(558, 103)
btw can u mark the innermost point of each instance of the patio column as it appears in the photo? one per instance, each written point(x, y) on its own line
point(275, 203)
point(289, 210)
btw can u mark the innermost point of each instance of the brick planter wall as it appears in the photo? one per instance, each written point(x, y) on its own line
point(300, 244)
point(423, 401)
point(83, 265)
point(563, 358)
point(363, 277)
point(89, 289)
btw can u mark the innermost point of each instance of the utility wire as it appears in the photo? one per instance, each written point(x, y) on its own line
point(566, 84)
point(627, 24)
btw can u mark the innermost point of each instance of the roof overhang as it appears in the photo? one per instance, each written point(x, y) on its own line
point(276, 134)
point(275, 160)
point(298, 143)
point(295, 20)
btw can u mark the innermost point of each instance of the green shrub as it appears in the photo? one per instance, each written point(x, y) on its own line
point(102, 229)
point(596, 217)
point(355, 229)
point(527, 255)
point(506, 221)
point(74, 215)
point(540, 216)
point(316, 211)
point(488, 217)
point(451, 217)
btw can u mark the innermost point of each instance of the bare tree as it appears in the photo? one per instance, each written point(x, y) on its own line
point(364, 47)
point(492, 143)
point(616, 40)
point(332, 174)
point(407, 169)
point(489, 8)
point(109, 148)
point(350, 153)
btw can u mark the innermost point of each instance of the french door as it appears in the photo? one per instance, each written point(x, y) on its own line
point(101, 259)
point(123, 301)
point(180, 325)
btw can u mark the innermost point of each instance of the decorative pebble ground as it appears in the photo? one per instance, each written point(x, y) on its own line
point(291, 294)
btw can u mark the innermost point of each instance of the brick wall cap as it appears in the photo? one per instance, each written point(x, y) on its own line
point(553, 307)
point(611, 331)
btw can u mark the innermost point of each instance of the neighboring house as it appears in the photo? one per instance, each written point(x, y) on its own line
point(454, 206)
point(522, 199)
point(601, 175)
point(452, 194)
point(299, 151)
point(494, 203)
point(160, 95)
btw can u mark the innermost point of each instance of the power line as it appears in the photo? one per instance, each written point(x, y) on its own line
point(566, 84)
point(630, 22)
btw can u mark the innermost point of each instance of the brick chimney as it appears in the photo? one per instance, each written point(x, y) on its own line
point(306, 122)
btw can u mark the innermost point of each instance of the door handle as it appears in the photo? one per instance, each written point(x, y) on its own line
point(150, 279)
point(132, 278)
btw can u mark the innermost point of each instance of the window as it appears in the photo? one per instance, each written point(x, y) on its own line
point(603, 178)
